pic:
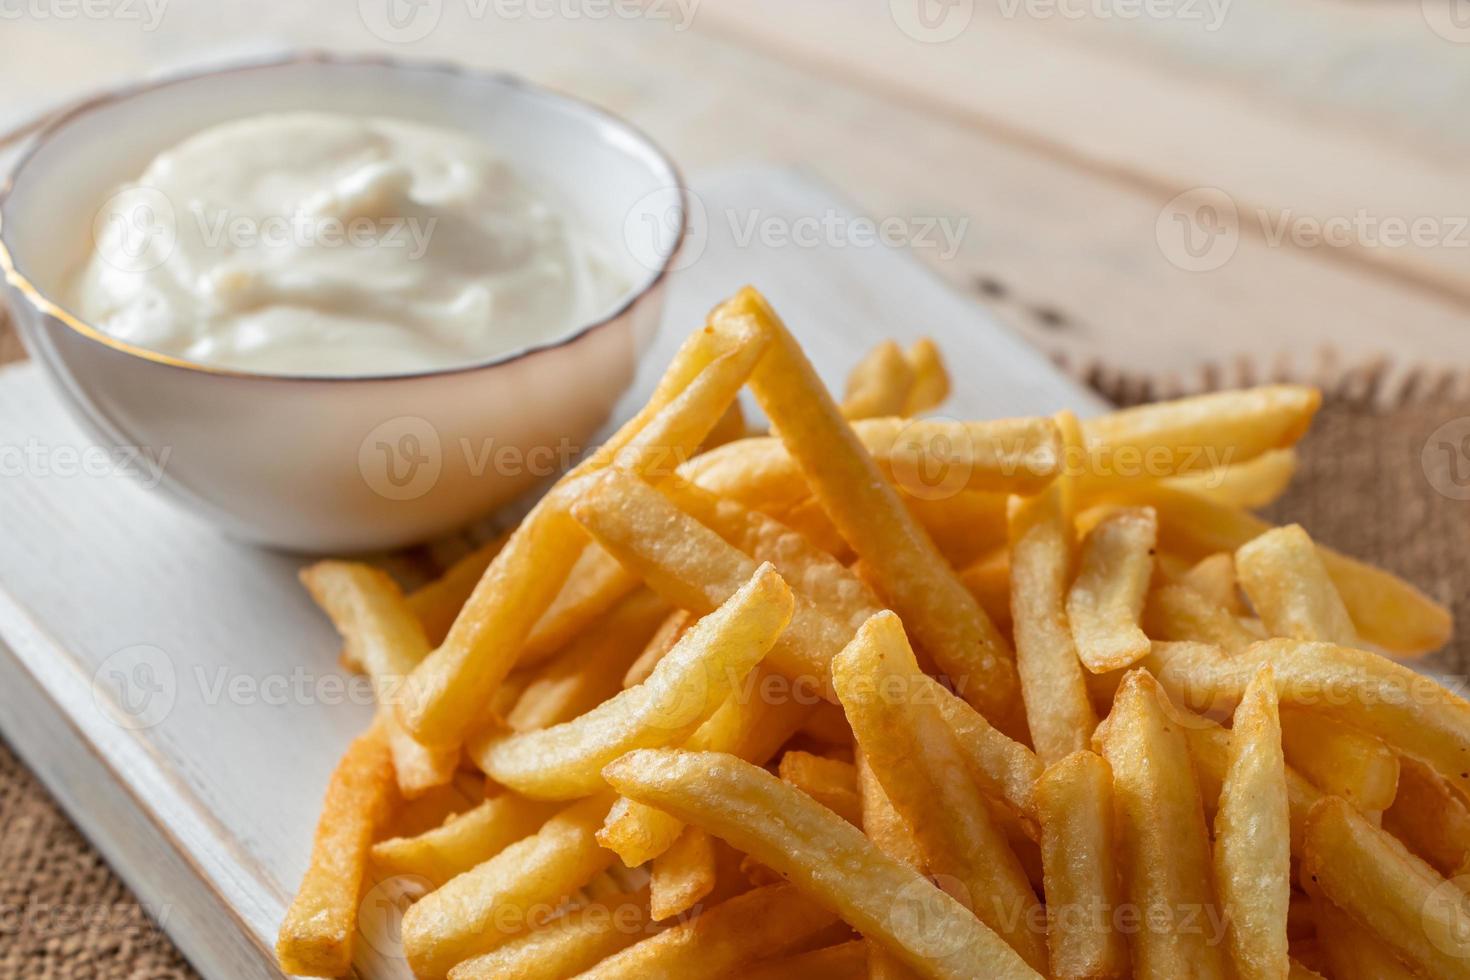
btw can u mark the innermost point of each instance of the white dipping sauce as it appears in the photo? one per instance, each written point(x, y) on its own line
point(310, 243)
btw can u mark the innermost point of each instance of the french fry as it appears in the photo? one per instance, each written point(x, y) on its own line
point(1201, 433)
point(465, 839)
point(830, 782)
point(808, 519)
point(1340, 760)
point(1290, 589)
point(1058, 712)
point(423, 813)
point(1177, 613)
point(1413, 713)
point(694, 568)
point(802, 840)
point(591, 668)
point(1249, 485)
point(847, 961)
point(682, 876)
point(382, 634)
point(1253, 838)
point(1005, 768)
point(888, 831)
point(1106, 599)
point(965, 527)
point(512, 892)
point(828, 725)
point(1351, 952)
point(915, 580)
point(1430, 818)
point(1165, 846)
point(989, 581)
point(317, 934)
point(594, 585)
point(687, 687)
point(879, 384)
point(931, 379)
point(921, 770)
point(1386, 610)
point(1074, 803)
point(723, 941)
point(446, 689)
point(566, 945)
point(1214, 578)
point(1387, 891)
point(438, 602)
point(730, 428)
point(658, 646)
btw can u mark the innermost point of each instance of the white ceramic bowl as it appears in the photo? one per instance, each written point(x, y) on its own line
point(329, 463)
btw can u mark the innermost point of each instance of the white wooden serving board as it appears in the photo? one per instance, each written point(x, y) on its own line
point(179, 694)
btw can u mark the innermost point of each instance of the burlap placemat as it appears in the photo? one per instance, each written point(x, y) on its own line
point(1367, 485)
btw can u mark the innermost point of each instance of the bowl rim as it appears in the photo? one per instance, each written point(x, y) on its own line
point(42, 133)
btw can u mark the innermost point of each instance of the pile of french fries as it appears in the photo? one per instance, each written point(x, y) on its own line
point(881, 696)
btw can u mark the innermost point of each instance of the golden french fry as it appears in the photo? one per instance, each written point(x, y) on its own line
point(989, 581)
point(831, 782)
point(447, 689)
point(382, 634)
point(1253, 838)
point(1412, 712)
point(1177, 613)
point(1341, 760)
point(682, 876)
point(1249, 485)
point(730, 428)
point(1351, 952)
point(594, 585)
point(1387, 891)
point(931, 378)
point(675, 624)
point(916, 582)
point(722, 941)
point(1106, 599)
point(1074, 804)
point(802, 840)
point(1386, 610)
point(1430, 818)
point(808, 519)
point(464, 792)
point(1198, 434)
point(1164, 844)
point(1005, 768)
point(1290, 589)
point(566, 945)
point(1214, 578)
point(923, 773)
point(1059, 714)
point(437, 603)
point(317, 934)
point(847, 961)
point(886, 828)
point(485, 907)
point(828, 725)
point(879, 384)
point(965, 527)
point(591, 668)
point(705, 667)
point(465, 839)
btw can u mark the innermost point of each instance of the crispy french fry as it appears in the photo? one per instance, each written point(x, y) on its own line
point(687, 687)
point(1177, 613)
point(1290, 589)
point(1253, 838)
point(591, 668)
point(446, 690)
point(931, 379)
point(723, 941)
point(465, 839)
point(1430, 818)
point(1165, 846)
point(506, 895)
point(675, 624)
point(830, 782)
point(438, 602)
point(317, 934)
point(1351, 952)
point(423, 813)
point(1201, 433)
point(566, 945)
point(1387, 891)
point(915, 759)
point(382, 634)
point(1405, 709)
point(847, 961)
point(802, 840)
point(886, 828)
point(1214, 578)
point(594, 585)
point(1106, 600)
point(989, 581)
point(808, 519)
point(1005, 768)
point(879, 384)
point(1058, 712)
point(682, 876)
point(1074, 802)
point(916, 582)
point(1249, 485)
point(730, 428)
point(1341, 760)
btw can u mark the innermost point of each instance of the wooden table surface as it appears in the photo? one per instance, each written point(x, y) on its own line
point(1319, 146)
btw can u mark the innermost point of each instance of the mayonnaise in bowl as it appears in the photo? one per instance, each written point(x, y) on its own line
point(330, 244)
